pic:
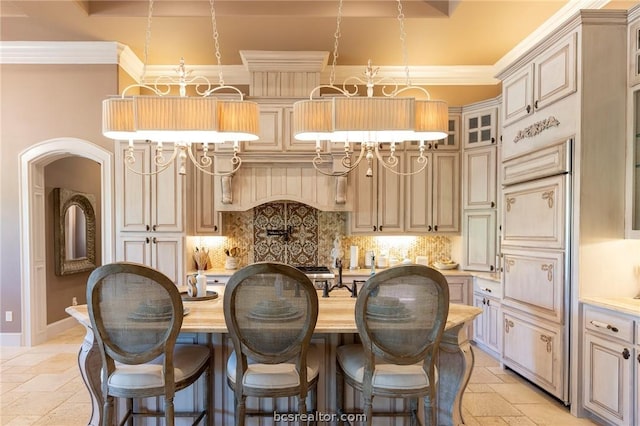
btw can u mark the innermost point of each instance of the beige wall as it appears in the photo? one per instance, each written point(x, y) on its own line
point(81, 175)
point(38, 103)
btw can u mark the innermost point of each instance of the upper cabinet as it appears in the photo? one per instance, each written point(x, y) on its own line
point(634, 46)
point(148, 202)
point(480, 126)
point(203, 216)
point(547, 79)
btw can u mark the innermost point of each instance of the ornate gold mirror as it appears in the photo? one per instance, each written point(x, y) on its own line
point(74, 231)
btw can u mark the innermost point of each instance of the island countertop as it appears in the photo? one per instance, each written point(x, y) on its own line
point(335, 315)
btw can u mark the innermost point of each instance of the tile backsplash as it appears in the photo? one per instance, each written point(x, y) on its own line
point(259, 234)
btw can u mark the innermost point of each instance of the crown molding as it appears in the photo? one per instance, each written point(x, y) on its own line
point(452, 75)
point(58, 52)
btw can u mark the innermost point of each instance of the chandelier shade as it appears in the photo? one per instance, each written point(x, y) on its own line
point(313, 119)
point(432, 120)
point(179, 119)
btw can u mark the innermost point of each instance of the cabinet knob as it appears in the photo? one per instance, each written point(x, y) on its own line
point(488, 302)
point(146, 240)
point(484, 301)
point(375, 228)
point(528, 109)
point(493, 140)
point(535, 105)
point(215, 228)
point(380, 228)
point(626, 354)
point(492, 268)
point(429, 228)
point(154, 240)
point(154, 227)
point(493, 204)
point(638, 358)
point(435, 228)
point(147, 226)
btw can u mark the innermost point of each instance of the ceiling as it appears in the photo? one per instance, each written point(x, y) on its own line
point(438, 33)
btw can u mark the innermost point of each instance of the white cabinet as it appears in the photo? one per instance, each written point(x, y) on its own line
point(433, 197)
point(479, 178)
point(634, 46)
point(203, 216)
point(534, 348)
point(487, 330)
point(164, 252)
point(148, 202)
point(378, 200)
point(547, 79)
point(479, 230)
point(480, 126)
point(608, 352)
point(633, 167)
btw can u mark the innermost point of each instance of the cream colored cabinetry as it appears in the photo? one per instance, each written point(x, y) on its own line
point(479, 185)
point(633, 114)
point(433, 196)
point(150, 221)
point(148, 202)
point(378, 200)
point(164, 252)
point(543, 81)
point(480, 124)
point(609, 358)
point(634, 46)
point(487, 332)
point(203, 216)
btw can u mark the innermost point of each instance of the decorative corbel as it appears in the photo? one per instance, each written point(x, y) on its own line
point(227, 190)
point(341, 189)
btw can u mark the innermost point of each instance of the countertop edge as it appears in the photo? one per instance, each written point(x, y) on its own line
point(625, 305)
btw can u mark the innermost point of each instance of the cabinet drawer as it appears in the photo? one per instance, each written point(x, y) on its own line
point(534, 213)
point(534, 282)
point(607, 323)
point(549, 161)
point(534, 348)
point(487, 287)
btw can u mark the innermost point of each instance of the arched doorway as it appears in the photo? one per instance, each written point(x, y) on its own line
point(32, 202)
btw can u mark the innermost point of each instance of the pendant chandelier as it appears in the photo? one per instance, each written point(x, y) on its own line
point(370, 120)
point(182, 120)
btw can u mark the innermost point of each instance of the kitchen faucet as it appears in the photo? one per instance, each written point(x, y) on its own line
point(326, 289)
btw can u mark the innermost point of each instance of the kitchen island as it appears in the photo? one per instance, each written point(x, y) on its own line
point(335, 326)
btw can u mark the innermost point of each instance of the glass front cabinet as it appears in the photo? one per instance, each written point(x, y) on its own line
point(633, 210)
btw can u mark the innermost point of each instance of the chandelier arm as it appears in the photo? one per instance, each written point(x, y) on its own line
point(235, 161)
point(215, 89)
point(130, 160)
point(422, 160)
point(141, 86)
point(349, 166)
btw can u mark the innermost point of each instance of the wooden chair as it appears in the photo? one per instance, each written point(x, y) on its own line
point(400, 314)
point(136, 313)
point(271, 311)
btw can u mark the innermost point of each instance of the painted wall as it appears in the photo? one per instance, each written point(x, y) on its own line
point(82, 175)
point(38, 103)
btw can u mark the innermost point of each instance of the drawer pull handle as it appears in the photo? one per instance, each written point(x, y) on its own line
point(547, 340)
point(507, 325)
point(604, 325)
point(626, 354)
point(638, 358)
point(488, 290)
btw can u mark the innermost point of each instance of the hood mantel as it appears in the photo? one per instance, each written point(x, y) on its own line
point(286, 178)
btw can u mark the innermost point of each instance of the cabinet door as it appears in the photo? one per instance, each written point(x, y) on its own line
point(608, 380)
point(206, 219)
point(534, 349)
point(555, 72)
point(517, 95)
point(418, 195)
point(493, 324)
point(452, 141)
point(479, 327)
point(133, 190)
point(634, 54)
point(479, 230)
point(134, 248)
point(364, 217)
point(480, 128)
point(460, 289)
point(390, 197)
point(534, 282)
point(168, 256)
point(479, 184)
point(167, 200)
point(446, 191)
point(534, 213)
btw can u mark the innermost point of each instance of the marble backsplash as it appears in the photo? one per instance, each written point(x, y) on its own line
point(259, 234)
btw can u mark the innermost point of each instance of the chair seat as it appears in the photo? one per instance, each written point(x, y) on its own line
point(187, 361)
point(274, 376)
point(385, 376)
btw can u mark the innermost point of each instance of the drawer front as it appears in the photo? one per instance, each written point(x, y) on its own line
point(609, 324)
point(534, 349)
point(487, 287)
point(549, 161)
point(534, 283)
point(534, 214)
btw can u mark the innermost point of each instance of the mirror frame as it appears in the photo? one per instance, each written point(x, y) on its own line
point(63, 199)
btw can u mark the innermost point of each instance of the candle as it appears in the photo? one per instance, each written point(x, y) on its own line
point(353, 262)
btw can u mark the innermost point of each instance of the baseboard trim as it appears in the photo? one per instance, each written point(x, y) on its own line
point(10, 339)
point(60, 326)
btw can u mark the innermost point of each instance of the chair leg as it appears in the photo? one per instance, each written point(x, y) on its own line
point(368, 406)
point(107, 411)
point(241, 409)
point(130, 410)
point(413, 411)
point(429, 409)
point(169, 412)
point(209, 395)
point(339, 392)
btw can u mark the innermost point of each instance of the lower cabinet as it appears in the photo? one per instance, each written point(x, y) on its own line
point(534, 348)
point(609, 358)
point(162, 252)
point(487, 330)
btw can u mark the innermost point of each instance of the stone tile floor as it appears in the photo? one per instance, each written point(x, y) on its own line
point(42, 386)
